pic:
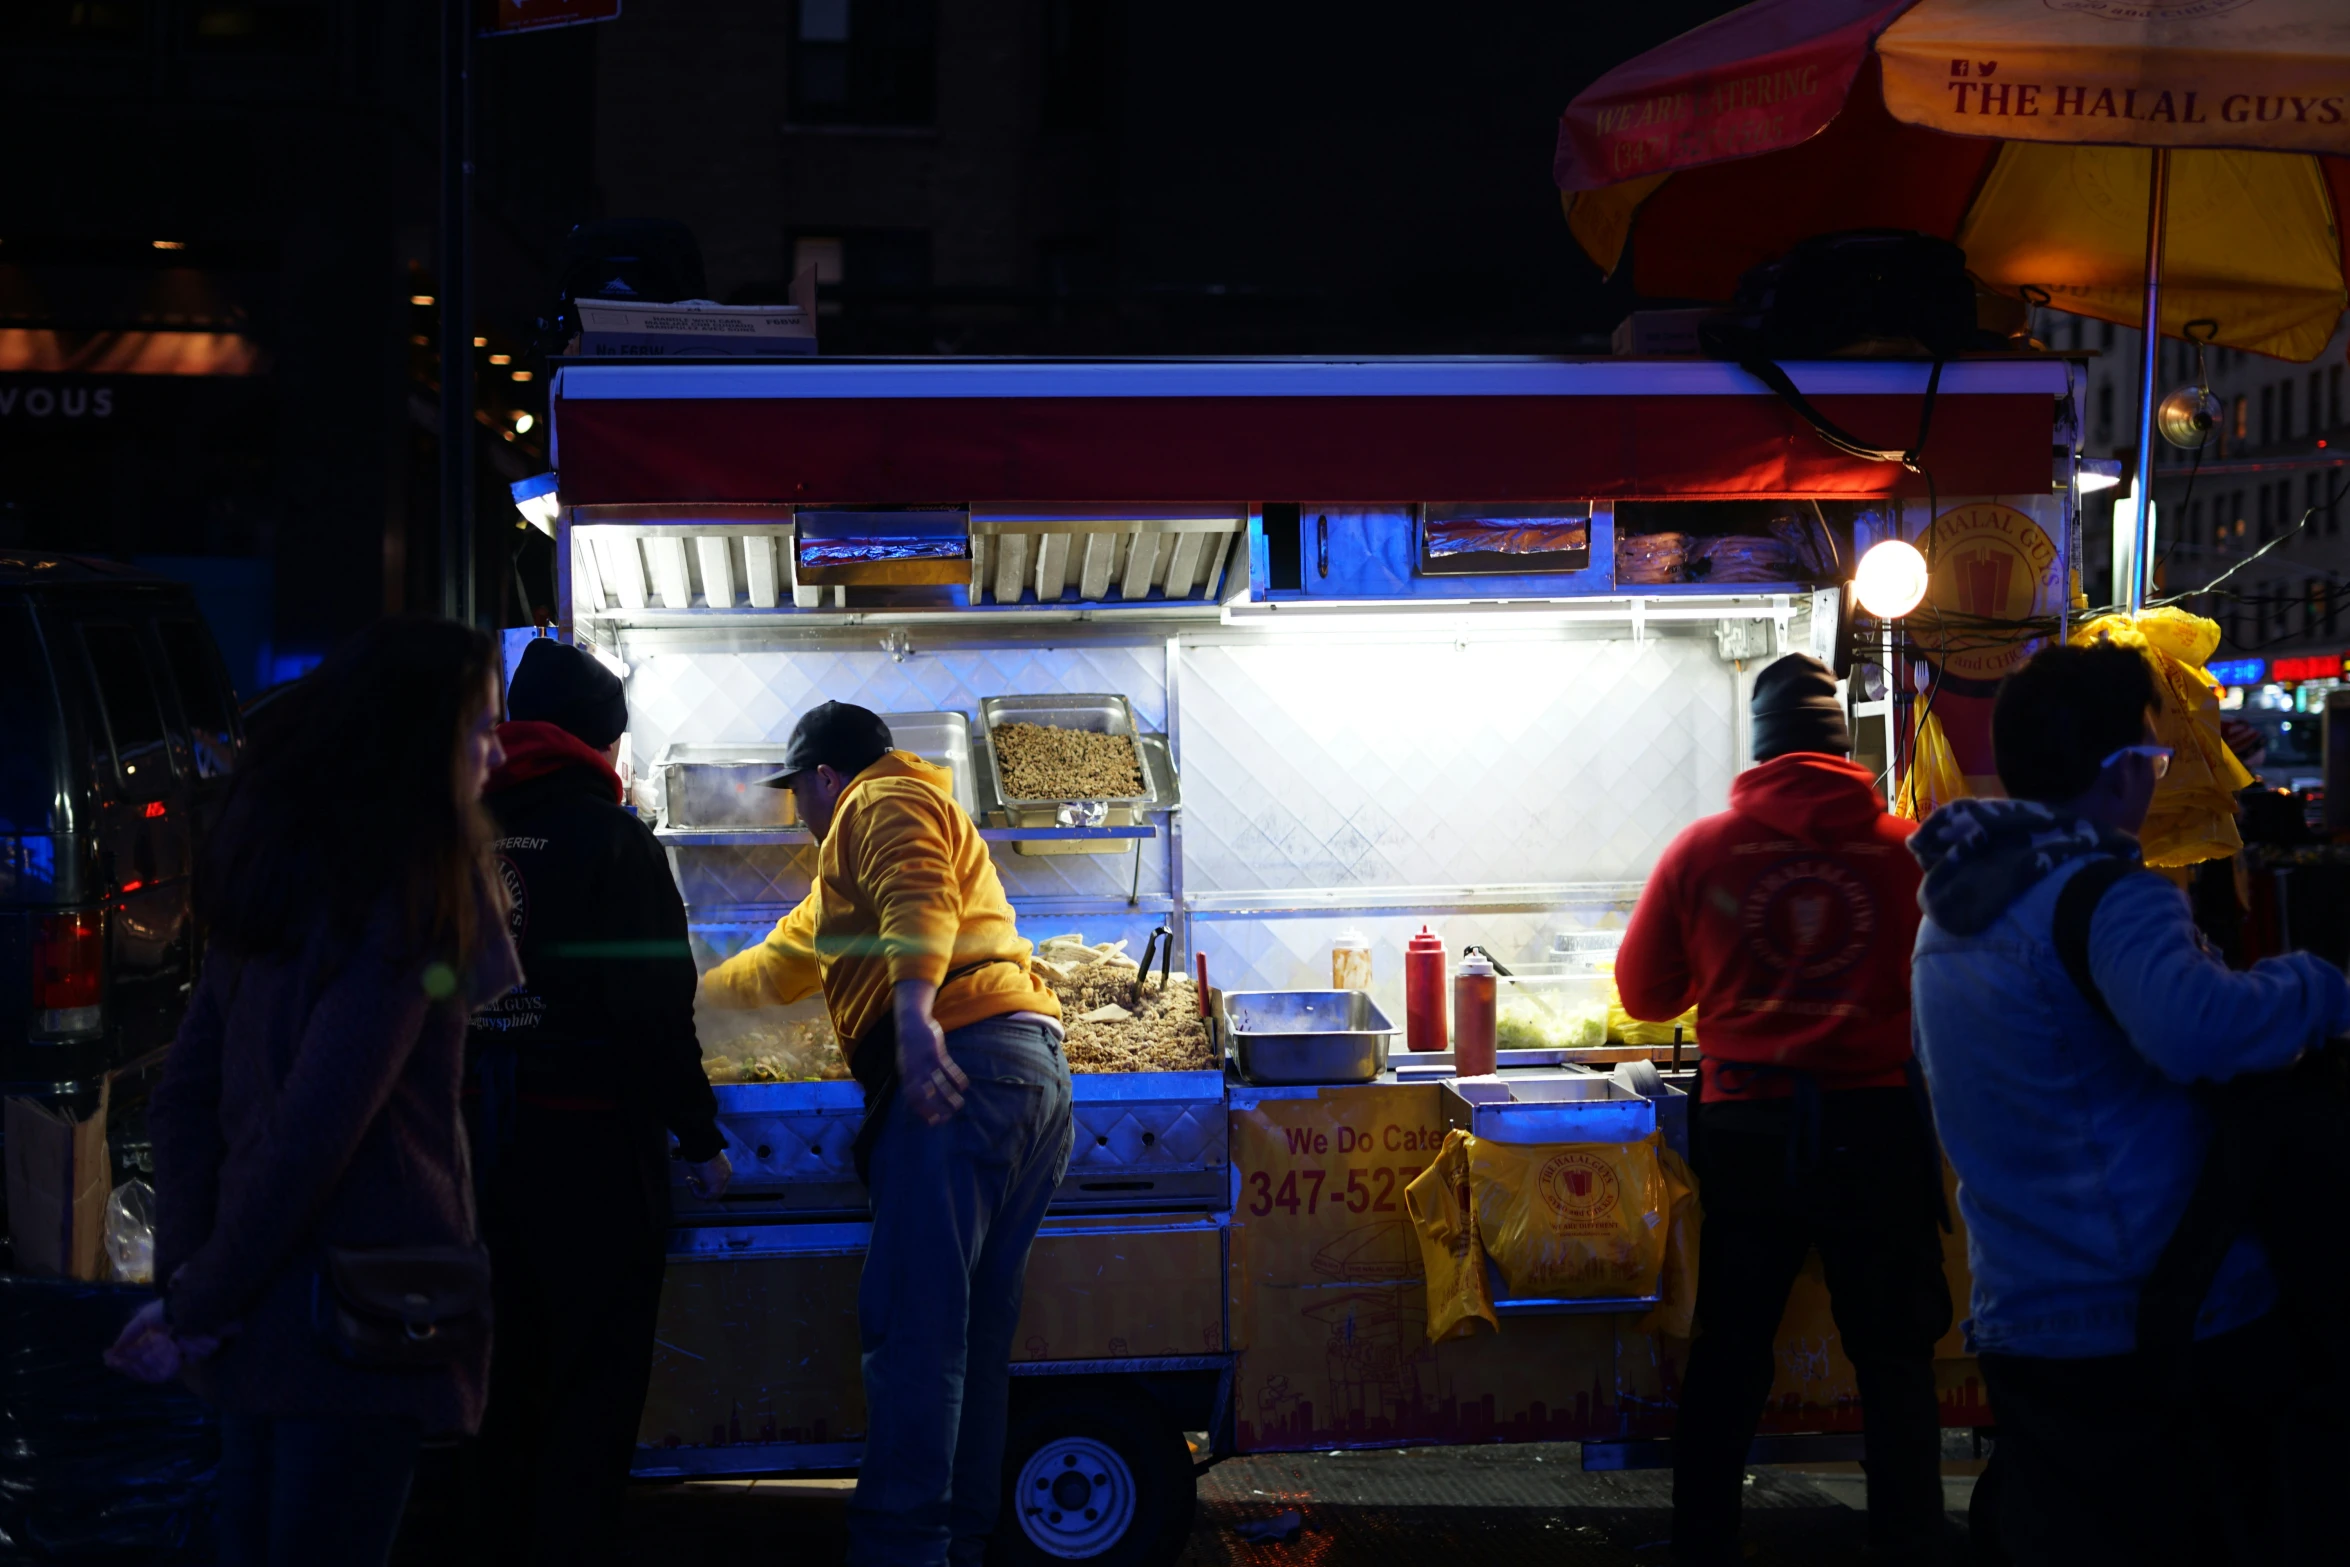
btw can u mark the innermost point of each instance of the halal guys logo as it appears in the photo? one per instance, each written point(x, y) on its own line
point(1994, 570)
point(1579, 1187)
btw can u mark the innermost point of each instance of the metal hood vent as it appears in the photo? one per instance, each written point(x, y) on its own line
point(1116, 555)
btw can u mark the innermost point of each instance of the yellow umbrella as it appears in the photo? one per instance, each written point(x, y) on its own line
point(2175, 161)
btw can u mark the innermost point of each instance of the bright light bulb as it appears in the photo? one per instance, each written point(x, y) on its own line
point(522, 424)
point(1892, 579)
point(2096, 474)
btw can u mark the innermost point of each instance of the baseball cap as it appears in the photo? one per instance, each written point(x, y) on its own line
point(839, 735)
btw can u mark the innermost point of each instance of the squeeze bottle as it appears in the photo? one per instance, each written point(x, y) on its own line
point(1473, 1007)
point(1423, 991)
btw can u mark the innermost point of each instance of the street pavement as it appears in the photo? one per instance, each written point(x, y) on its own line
point(1402, 1508)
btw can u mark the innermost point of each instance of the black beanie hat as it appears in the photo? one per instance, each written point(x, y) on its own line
point(1795, 708)
point(569, 687)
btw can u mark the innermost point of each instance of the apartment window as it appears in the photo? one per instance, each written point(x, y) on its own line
point(2334, 395)
point(2313, 495)
point(2268, 414)
point(864, 62)
point(281, 27)
point(73, 24)
point(2284, 410)
point(2317, 407)
point(2267, 516)
point(2242, 409)
point(2195, 523)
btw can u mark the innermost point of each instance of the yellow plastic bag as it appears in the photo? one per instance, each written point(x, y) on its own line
point(1574, 1221)
point(1675, 1316)
point(2194, 814)
point(1460, 1302)
point(1934, 778)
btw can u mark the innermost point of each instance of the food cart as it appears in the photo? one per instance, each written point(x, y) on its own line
point(1401, 643)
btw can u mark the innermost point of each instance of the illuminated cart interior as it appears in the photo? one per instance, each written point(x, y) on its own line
point(1454, 643)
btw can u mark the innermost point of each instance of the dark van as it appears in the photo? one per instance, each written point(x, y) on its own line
point(118, 735)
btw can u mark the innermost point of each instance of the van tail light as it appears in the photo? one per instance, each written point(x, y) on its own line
point(69, 972)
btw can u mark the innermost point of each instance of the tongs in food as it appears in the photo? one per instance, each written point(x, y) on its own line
point(1161, 946)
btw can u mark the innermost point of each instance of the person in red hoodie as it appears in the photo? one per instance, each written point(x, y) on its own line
point(1788, 920)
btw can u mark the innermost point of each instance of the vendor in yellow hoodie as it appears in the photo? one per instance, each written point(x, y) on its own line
point(958, 1046)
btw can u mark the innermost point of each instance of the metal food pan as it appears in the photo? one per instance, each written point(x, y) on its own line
point(1101, 714)
point(719, 785)
point(943, 738)
point(1306, 1036)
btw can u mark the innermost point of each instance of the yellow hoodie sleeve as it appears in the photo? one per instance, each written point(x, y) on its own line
point(778, 971)
point(904, 863)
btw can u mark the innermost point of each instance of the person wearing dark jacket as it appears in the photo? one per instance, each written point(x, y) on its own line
point(309, 1155)
point(1788, 920)
point(580, 1077)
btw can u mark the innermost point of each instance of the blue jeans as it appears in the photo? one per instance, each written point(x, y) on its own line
point(323, 1491)
point(955, 1209)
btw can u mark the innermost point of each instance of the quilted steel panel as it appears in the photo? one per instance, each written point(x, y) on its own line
point(719, 696)
point(1412, 764)
point(1293, 953)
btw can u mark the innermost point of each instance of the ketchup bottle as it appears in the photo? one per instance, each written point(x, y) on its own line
point(1423, 991)
point(1473, 1008)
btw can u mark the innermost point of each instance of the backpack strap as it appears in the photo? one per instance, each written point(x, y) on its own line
point(2076, 906)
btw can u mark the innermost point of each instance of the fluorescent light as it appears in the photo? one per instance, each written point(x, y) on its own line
point(420, 299)
point(537, 500)
point(2098, 473)
point(1891, 580)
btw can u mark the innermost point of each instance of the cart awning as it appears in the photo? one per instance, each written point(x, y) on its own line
point(1161, 432)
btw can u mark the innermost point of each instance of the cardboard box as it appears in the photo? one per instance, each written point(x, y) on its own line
point(699, 328)
point(58, 1180)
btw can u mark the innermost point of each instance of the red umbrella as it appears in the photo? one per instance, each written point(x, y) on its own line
point(2013, 127)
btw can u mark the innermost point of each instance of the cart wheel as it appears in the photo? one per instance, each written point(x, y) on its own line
point(1985, 1548)
point(1094, 1477)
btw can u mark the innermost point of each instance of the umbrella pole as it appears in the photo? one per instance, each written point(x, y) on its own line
point(2141, 563)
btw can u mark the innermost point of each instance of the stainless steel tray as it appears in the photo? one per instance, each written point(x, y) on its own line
point(1306, 1036)
point(1563, 1106)
point(708, 786)
point(705, 786)
point(1100, 713)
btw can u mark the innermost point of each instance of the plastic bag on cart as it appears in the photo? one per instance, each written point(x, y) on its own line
point(1460, 1301)
point(2193, 817)
point(1676, 1315)
point(1573, 1221)
point(130, 1233)
point(1934, 778)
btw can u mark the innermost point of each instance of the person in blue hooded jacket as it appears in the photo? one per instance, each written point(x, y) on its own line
point(2078, 1137)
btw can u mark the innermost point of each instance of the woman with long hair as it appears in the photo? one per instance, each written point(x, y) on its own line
point(321, 1280)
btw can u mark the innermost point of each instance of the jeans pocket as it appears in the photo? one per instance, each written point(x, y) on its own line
point(1000, 1116)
